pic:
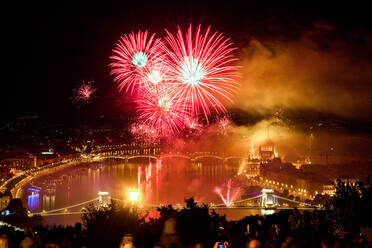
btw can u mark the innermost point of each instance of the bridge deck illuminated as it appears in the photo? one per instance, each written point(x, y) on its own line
point(262, 199)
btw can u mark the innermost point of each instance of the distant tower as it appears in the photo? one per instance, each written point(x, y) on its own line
point(311, 141)
point(104, 199)
point(267, 151)
point(252, 152)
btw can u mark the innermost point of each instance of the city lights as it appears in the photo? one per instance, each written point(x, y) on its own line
point(124, 127)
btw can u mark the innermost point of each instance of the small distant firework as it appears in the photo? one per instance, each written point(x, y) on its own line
point(144, 133)
point(231, 194)
point(224, 125)
point(84, 93)
point(194, 127)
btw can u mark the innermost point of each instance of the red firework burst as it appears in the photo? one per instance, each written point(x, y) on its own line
point(134, 56)
point(175, 83)
point(200, 69)
point(160, 110)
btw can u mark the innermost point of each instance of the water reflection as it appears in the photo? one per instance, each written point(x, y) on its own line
point(159, 182)
point(33, 202)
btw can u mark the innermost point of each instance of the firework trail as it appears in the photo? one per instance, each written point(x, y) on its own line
point(84, 93)
point(201, 70)
point(135, 55)
point(231, 194)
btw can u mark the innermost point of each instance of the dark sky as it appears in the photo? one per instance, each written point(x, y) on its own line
point(51, 47)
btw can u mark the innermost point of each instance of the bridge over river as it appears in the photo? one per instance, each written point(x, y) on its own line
point(189, 156)
point(267, 200)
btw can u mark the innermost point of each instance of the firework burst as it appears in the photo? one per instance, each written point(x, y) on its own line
point(84, 93)
point(200, 69)
point(160, 110)
point(224, 125)
point(134, 57)
point(144, 133)
point(175, 81)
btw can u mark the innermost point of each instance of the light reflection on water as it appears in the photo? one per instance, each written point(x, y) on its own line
point(159, 183)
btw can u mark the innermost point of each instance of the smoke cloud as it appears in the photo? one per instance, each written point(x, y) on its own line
point(315, 72)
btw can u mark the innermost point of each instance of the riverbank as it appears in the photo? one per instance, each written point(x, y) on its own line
point(16, 183)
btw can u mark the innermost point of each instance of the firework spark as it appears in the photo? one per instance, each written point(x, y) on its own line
point(200, 68)
point(134, 56)
point(84, 92)
point(144, 133)
point(177, 80)
point(224, 125)
point(159, 110)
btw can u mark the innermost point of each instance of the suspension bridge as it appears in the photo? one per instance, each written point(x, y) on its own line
point(267, 200)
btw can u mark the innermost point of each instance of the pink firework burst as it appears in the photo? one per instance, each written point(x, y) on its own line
point(160, 110)
point(200, 68)
point(134, 56)
point(85, 92)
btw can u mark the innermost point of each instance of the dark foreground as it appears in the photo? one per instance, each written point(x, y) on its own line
point(346, 221)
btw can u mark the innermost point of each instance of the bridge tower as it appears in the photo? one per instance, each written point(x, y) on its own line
point(267, 198)
point(104, 199)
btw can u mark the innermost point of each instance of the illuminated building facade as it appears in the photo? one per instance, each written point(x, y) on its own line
point(21, 162)
point(329, 190)
point(267, 151)
point(253, 169)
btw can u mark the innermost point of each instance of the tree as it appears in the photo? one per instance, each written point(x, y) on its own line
point(18, 215)
point(352, 206)
point(16, 208)
point(107, 225)
point(321, 199)
point(196, 225)
point(149, 232)
point(285, 192)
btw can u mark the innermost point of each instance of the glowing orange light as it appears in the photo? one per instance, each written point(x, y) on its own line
point(133, 195)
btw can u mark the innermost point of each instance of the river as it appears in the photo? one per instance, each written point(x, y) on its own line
point(167, 182)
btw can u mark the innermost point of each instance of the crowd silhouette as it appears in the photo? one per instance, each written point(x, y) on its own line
point(345, 221)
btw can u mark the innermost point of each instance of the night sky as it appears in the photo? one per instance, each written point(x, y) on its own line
point(51, 47)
